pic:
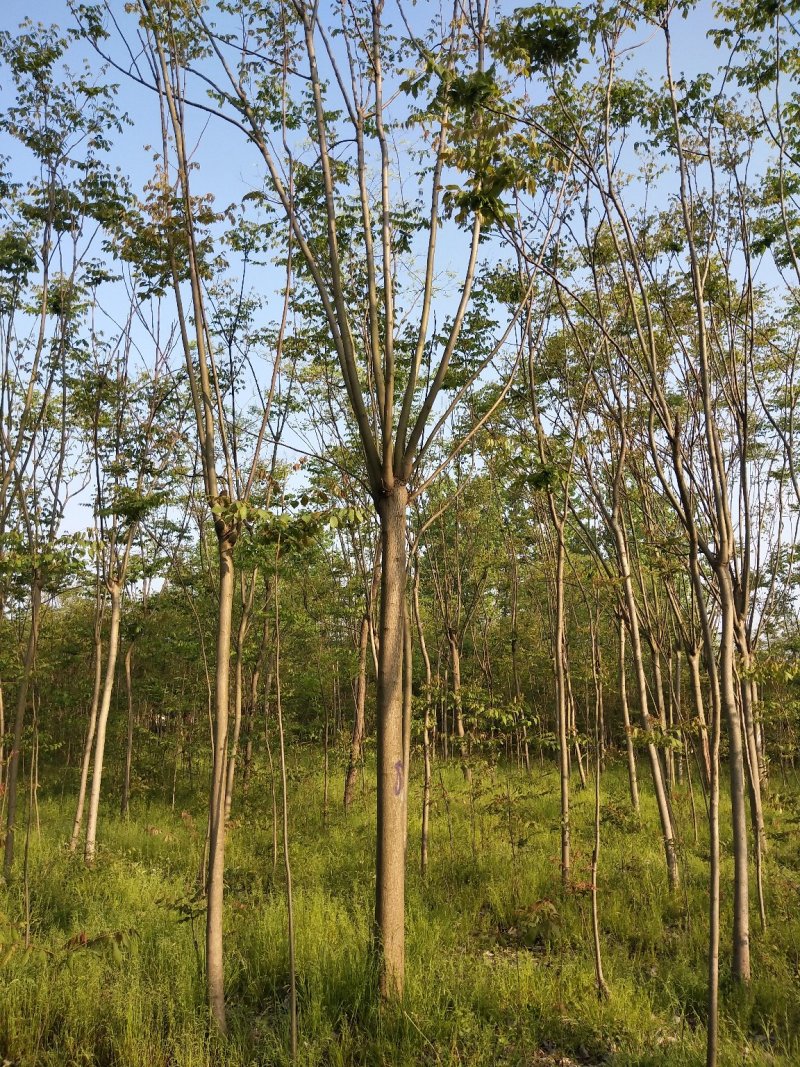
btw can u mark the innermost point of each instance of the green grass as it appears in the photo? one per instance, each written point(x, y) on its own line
point(499, 960)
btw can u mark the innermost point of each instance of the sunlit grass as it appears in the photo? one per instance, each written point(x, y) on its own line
point(499, 959)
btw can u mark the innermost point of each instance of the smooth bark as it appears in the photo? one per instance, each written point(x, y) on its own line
point(115, 594)
point(126, 779)
point(389, 939)
point(215, 973)
point(91, 728)
point(630, 752)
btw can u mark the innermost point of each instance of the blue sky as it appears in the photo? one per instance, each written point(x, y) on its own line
point(229, 167)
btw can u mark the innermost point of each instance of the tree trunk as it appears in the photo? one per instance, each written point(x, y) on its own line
point(753, 774)
point(216, 846)
point(365, 633)
point(426, 729)
point(602, 987)
point(458, 712)
point(408, 694)
point(665, 816)
point(2, 737)
point(740, 964)
point(357, 738)
point(12, 772)
point(633, 783)
point(562, 725)
point(693, 656)
point(712, 1026)
point(515, 654)
point(668, 762)
point(287, 867)
point(255, 681)
point(389, 940)
point(676, 713)
point(238, 690)
point(126, 781)
point(115, 591)
point(90, 732)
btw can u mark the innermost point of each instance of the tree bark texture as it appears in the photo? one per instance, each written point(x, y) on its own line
point(115, 592)
point(389, 940)
point(215, 972)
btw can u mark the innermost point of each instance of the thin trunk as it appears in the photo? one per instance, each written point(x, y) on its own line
point(364, 644)
point(562, 725)
point(426, 730)
point(515, 654)
point(712, 1026)
point(2, 738)
point(740, 964)
point(753, 774)
point(676, 714)
point(688, 762)
point(126, 781)
point(238, 690)
point(115, 591)
point(247, 763)
point(572, 708)
point(602, 987)
point(287, 869)
point(255, 681)
point(216, 846)
point(273, 791)
point(357, 738)
point(458, 712)
point(233, 748)
point(326, 761)
point(661, 707)
point(90, 732)
point(662, 802)
point(12, 772)
point(693, 656)
point(408, 679)
point(633, 783)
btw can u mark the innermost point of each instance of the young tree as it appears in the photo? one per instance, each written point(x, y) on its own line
point(323, 100)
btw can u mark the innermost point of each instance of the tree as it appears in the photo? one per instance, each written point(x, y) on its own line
point(353, 239)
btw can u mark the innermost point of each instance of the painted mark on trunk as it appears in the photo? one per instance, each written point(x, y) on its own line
point(398, 778)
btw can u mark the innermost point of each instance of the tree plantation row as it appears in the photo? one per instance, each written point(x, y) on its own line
point(403, 397)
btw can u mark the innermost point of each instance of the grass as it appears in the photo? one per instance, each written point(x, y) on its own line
point(499, 960)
